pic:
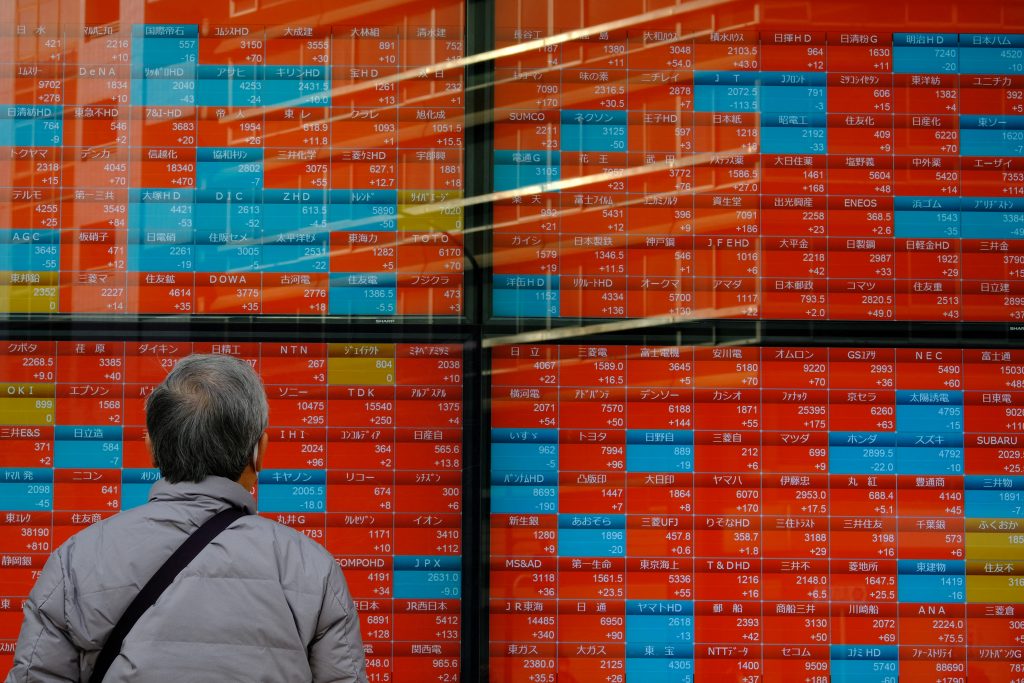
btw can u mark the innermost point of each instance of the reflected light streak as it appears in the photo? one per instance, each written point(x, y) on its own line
point(625, 325)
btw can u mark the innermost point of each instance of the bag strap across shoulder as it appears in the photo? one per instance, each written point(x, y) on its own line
point(163, 578)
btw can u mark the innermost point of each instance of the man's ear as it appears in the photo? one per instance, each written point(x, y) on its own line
point(259, 452)
point(149, 447)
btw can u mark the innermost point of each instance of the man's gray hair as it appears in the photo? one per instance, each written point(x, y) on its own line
point(206, 417)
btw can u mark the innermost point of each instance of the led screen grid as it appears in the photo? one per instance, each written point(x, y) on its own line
point(157, 164)
point(365, 457)
point(682, 168)
point(664, 513)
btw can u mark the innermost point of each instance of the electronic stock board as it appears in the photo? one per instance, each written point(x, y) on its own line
point(181, 162)
point(856, 169)
point(365, 457)
point(189, 160)
point(657, 512)
point(667, 513)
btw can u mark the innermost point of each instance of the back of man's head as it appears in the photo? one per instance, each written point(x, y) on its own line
point(206, 418)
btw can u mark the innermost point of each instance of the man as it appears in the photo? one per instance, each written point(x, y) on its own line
point(260, 603)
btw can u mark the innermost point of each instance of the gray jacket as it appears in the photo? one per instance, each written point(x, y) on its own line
point(261, 603)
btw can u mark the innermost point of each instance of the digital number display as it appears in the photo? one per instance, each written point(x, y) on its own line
point(365, 457)
point(258, 162)
point(756, 514)
point(654, 163)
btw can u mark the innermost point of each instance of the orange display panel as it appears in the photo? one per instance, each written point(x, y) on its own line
point(679, 514)
point(365, 458)
point(759, 160)
point(175, 158)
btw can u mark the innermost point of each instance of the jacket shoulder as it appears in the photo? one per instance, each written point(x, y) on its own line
point(105, 531)
point(294, 552)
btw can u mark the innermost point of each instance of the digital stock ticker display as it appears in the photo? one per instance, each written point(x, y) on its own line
point(756, 514)
point(365, 457)
point(578, 500)
point(171, 165)
point(652, 169)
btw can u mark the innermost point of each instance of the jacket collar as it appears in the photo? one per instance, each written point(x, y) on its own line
point(215, 488)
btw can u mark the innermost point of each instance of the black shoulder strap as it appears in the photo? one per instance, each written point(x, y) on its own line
point(163, 578)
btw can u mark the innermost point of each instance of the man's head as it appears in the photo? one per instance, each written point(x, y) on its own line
point(207, 419)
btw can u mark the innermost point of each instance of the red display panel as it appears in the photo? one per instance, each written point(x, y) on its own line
point(812, 161)
point(237, 159)
point(365, 457)
point(665, 513)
